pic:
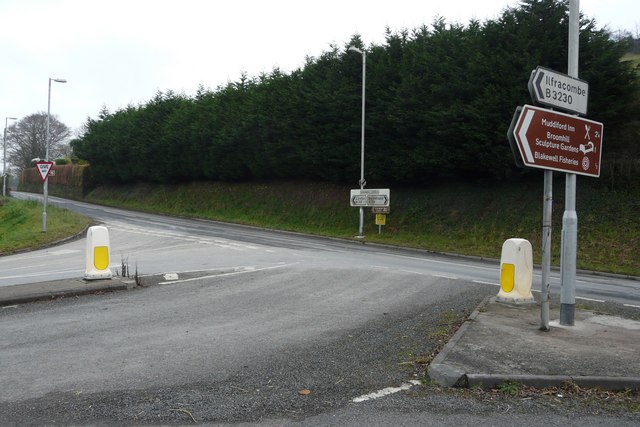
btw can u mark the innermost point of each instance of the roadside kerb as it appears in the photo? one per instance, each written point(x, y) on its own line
point(24, 293)
point(446, 375)
point(545, 381)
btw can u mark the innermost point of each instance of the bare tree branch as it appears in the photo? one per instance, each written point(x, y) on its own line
point(26, 139)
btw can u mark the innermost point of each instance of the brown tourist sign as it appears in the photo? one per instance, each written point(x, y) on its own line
point(548, 139)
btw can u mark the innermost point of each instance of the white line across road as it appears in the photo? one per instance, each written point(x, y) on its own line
point(241, 270)
point(421, 273)
point(45, 275)
point(590, 299)
point(429, 260)
point(480, 282)
point(385, 392)
point(236, 246)
point(442, 276)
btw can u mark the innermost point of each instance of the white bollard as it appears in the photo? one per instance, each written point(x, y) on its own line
point(97, 255)
point(516, 272)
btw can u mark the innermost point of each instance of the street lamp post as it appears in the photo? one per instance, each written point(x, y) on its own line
point(46, 144)
point(362, 182)
point(4, 156)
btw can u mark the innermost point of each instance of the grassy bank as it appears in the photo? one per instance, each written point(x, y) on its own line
point(470, 219)
point(21, 225)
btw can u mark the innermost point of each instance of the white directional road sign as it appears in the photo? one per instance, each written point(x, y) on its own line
point(553, 89)
point(372, 197)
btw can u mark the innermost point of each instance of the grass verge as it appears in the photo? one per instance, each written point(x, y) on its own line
point(470, 219)
point(21, 225)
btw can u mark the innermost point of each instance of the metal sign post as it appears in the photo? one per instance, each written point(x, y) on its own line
point(550, 140)
point(362, 181)
point(547, 213)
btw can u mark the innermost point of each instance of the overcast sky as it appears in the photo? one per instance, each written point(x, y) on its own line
point(119, 52)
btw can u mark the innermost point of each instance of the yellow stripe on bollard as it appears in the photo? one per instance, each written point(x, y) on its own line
point(101, 257)
point(507, 277)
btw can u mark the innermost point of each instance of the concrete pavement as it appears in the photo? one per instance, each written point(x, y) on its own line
point(501, 342)
point(497, 343)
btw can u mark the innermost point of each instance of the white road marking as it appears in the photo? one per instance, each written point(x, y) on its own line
point(412, 272)
point(590, 299)
point(445, 277)
point(44, 273)
point(221, 243)
point(32, 255)
point(485, 283)
point(64, 252)
point(427, 260)
point(201, 271)
point(213, 276)
point(631, 305)
point(538, 290)
point(385, 392)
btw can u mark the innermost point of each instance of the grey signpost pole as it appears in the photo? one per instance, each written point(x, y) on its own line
point(570, 217)
point(362, 182)
point(4, 156)
point(45, 189)
point(547, 212)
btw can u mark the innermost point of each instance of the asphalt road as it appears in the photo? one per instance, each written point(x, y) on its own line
point(236, 347)
point(257, 327)
point(161, 244)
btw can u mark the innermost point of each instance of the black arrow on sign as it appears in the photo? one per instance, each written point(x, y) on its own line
point(512, 138)
point(538, 85)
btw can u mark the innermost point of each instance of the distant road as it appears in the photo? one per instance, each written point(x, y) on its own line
point(163, 244)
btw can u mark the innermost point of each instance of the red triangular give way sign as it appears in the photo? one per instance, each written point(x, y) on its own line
point(44, 168)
